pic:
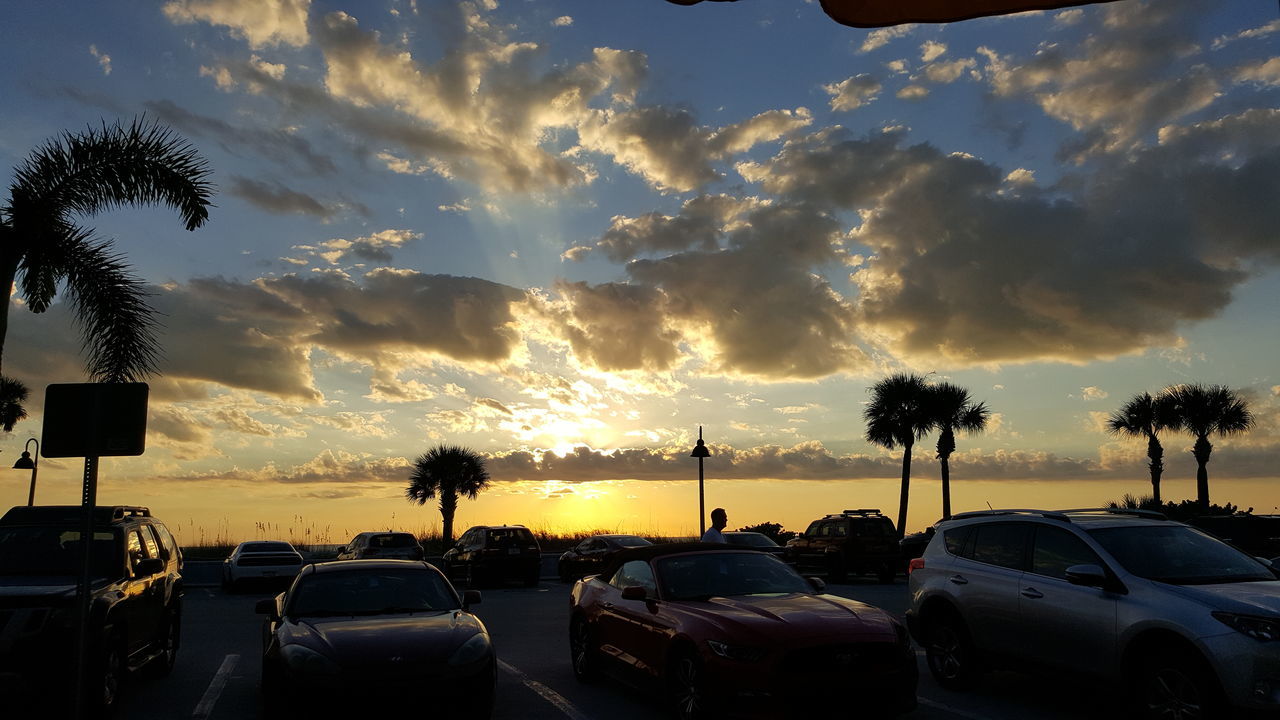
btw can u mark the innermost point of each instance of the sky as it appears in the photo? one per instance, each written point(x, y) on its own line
point(567, 234)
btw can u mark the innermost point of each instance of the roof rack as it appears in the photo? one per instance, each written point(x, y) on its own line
point(859, 511)
point(102, 514)
point(1151, 514)
point(1051, 514)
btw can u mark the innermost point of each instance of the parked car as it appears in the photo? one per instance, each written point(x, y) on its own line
point(912, 546)
point(1258, 535)
point(719, 630)
point(260, 560)
point(1184, 621)
point(352, 635)
point(136, 600)
point(382, 546)
point(756, 541)
point(495, 553)
point(588, 556)
point(850, 542)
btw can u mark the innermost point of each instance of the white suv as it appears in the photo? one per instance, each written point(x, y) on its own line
point(1190, 624)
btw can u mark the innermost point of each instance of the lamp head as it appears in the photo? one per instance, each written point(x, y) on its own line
point(25, 462)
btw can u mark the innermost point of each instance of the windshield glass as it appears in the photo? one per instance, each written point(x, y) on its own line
point(392, 540)
point(262, 547)
point(751, 539)
point(631, 541)
point(1179, 555)
point(370, 592)
point(49, 551)
point(725, 574)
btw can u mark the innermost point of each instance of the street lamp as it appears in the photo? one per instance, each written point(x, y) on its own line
point(700, 451)
point(29, 462)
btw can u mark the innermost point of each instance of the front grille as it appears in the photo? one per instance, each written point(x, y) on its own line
point(874, 658)
point(261, 560)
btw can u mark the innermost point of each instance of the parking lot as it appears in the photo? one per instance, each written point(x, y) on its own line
point(217, 673)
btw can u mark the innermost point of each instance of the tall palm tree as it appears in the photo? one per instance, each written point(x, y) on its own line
point(951, 409)
point(42, 246)
point(897, 416)
point(12, 396)
point(1144, 416)
point(447, 472)
point(1205, 410)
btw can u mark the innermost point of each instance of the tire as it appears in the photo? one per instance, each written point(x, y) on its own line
point(951, 656)
point(169, 640)
point(1177, 683)
point(582, 651)
point(686, 687)
point(275, 696)
point(563, 572)
point(108, 678)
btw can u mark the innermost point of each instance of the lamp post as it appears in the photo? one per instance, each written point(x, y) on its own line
point(29, 462)
point(700, 451)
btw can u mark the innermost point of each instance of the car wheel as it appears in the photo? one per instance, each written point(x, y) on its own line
point(582, 651)
point(169, 639)
point(479, 704)
point(1177, 684)
point(686, 687)
point(104, 694)
point(953, 662)
point(563, 571)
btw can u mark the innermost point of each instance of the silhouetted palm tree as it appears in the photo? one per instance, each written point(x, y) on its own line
point(1144, 416)
point(951, 409)
point(12, 395)
point(1205, 410)
point(447, 472)
point(898, 416)
point(42, 246)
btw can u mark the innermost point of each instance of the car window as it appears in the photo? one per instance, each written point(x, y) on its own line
point(392, 540)
point(149, 541)
point(1056, 550)
point(370, 592)
point(632, 541)
point(636, 572)
point(705, 575)
point(1002, 544)
point(825, 529)
point(167, 544)
point(813, 528)
point(840, 529)
point(873, 528)
point(955, 539)
point(1179, 555)
point(55, 551)
point(262, 547)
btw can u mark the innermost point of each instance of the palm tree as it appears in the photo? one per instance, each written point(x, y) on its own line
point(951, 409)
point(1205, 410)
point(42, 246)
point(898, 416)
point(447, 472)
point(12, 395)
point(1144, 416)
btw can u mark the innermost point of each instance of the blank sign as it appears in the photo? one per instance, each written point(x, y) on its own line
point(94, 420)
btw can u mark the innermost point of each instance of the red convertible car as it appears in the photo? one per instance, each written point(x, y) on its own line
point(728, 632)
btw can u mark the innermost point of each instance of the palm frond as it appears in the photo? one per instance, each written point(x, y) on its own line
point(13, 396)
point(898, 412)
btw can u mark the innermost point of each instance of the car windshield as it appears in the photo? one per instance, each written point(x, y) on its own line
point(505, 537)
point(264, 547)
point(726, 574)
point(370, 592)
point(750, 539)
point(1178, 555)
point(392, 540)
point(631, 541)
point(51, 551)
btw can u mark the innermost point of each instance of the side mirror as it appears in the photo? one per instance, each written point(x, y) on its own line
point(469, 598)
point(1087, 575)
point(148, 567)
point(818, 584)
point(1265, 561)
point(634, 592)
point(267, 606)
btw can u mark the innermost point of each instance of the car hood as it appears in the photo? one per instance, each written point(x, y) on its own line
point(49, 588)
point(361, 640)
point(1255, 598)
point(796, 616)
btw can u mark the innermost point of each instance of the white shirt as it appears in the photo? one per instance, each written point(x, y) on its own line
point(713, 535)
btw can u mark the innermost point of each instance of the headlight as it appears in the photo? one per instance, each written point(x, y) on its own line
point(743, 653)
point(477, 648)
point(305, 661)
point(1258, 628)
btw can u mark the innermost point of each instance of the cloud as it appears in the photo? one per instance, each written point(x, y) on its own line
point(562, 21)
point(932, 50)
point(260, 22)
point(698, 226)
point(1263, 72)
point(1093, 393)
point(104, 60)
point(277, 199)
point(375, 247)
point(853, 93)
point(943, 73)
point(880, 37)
point(615, 326)
point(1249, 34)
point(912, 92)
point(281, 146)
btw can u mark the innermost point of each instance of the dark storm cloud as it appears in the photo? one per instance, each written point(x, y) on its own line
point(288, 149)
point(278, 199)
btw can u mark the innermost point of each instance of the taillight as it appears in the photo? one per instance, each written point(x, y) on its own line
point(916, 564)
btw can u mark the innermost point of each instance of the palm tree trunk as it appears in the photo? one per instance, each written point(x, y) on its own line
point(946, 446)
point(8, 271)
point(1156, 454)
point(906, 489)
point(448, 506)
point(1201, 451)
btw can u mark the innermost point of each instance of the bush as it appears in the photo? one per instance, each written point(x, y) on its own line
point(773, 530)
point(1180, 511)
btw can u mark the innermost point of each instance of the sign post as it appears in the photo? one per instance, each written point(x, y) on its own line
point(91, 420)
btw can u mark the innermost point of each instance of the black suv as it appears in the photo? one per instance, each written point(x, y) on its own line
point(493, 553)
point(136, 600)
point(850, 542)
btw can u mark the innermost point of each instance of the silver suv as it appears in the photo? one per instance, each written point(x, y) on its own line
point(1190, 624)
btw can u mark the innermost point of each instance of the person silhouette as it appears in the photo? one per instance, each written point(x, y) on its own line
point(719, 520)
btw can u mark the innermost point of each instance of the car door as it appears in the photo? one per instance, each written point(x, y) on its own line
point(142, 605)
point(985, 582)
point(1061, 624)
point(631, 631)
point(802, 545)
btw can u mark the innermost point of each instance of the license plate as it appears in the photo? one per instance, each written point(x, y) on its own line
point(513, 551)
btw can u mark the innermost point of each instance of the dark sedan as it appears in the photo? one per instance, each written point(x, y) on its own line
point(355, 632)
point(588, 556)
point(722, 631)
point(756, 541)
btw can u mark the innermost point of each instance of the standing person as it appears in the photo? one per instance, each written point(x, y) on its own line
point(719, 520)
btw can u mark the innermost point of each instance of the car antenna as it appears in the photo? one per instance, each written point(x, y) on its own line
point(989, 506)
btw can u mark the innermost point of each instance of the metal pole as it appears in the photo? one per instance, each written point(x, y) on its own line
point(35, 463)
point(702, 510)
point(87, 501)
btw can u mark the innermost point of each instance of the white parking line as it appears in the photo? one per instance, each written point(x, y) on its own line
point(216, 686)
point(545, 692)
point(947, 708)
